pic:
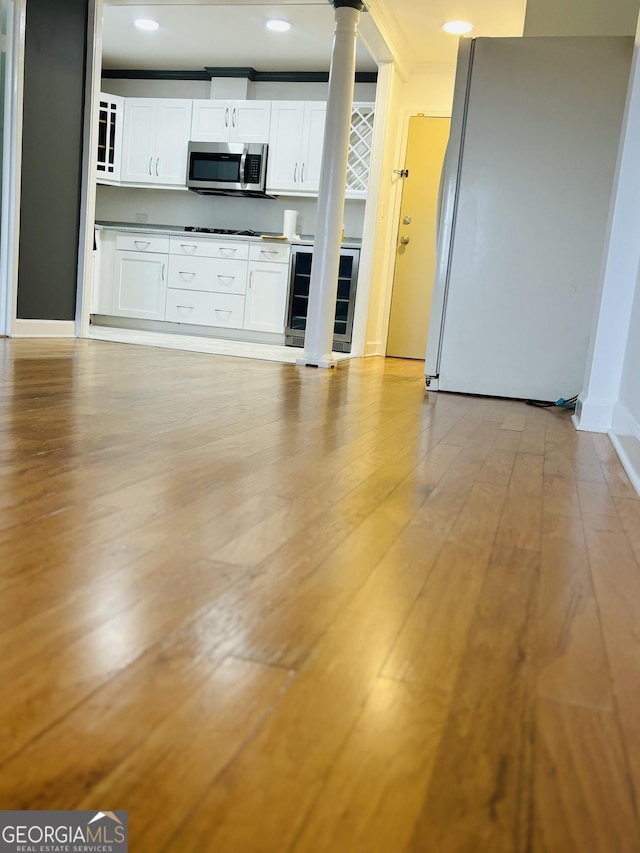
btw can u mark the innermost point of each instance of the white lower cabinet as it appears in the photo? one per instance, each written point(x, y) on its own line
point(202, 308)
point(266, 300)
point(207, 283)
point(239, 284)
point(140, 285)
point(212, 274)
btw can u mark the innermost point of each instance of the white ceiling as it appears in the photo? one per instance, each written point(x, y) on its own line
point(198, 33)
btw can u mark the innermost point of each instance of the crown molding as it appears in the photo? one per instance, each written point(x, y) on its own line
point(390, 30)
point(251, 74)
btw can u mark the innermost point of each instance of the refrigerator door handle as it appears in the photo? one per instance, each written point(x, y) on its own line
point(441, 195)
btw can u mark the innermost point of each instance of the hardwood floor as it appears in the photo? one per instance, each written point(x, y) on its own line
point(267, 609)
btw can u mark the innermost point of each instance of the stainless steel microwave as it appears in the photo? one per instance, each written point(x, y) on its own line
point(227, 168)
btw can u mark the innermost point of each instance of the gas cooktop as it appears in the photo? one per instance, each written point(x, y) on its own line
point(237, 232)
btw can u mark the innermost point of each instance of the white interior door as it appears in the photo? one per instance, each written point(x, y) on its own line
point(416, 242)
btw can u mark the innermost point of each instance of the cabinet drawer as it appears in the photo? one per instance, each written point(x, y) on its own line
point(142, 243)
point(270, 252)
point(210, 274)
point(205, 309)
point(230, 249)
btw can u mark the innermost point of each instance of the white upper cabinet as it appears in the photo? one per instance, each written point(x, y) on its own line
point(156, 136)
point(210, 121)
point(295, 146)
point(285, 139)
point(315, 114)
point(230, 121)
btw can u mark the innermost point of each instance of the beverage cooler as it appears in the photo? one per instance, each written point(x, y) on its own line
point(300, 275)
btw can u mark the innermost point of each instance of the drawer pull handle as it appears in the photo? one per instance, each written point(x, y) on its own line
point(226, 250)
point(188, 248)
point(268, 251)
point(184, 307)
point(227, 278)
point(187, 276)
point(223, 311)
point(142, 244)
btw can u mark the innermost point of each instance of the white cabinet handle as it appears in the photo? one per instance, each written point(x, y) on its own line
point(226, 117)
point(295, 173)
point(188, 248)
point(251, 279)
point(163, 269)
point(227, 250)
point(302, 174)
point(222, 310)
point(268, 251)
point(150, 162)
point(142, 244)
point(157, 164)
point(233, 117)
point(226, 278)
point(187, 276)
point(184, 307)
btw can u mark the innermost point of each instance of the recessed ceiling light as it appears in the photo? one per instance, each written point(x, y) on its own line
point(457, 28)
point(278, 26)
point(146, 24)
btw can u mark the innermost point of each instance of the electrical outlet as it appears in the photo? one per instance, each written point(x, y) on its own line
point(142, 217)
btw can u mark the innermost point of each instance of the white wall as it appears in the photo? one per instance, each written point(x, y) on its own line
point(157, 88)
point(581, 17)
point(610, 401)
point(256, 91)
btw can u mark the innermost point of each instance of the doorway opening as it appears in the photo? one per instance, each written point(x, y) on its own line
point(416, 238)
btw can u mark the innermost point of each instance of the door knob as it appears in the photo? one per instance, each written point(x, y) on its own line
point(406, 220)
point(404, 240)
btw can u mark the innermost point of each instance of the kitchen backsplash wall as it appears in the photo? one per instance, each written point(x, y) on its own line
point(180, 207)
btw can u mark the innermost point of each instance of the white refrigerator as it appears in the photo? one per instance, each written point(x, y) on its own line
point(524, 208)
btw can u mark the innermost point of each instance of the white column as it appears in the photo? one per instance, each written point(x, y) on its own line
point(333, 175)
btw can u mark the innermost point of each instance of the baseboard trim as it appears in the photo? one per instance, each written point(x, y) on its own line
point(44, 329)
point(625, 437)
point(373, 348)
point(593, 415)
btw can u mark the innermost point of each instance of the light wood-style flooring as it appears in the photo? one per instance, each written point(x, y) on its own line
point(268, 609)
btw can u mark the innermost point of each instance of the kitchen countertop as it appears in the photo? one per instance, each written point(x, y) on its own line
point(148, 228)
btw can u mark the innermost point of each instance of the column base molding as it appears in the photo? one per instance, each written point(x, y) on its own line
point(593, 415)
point(326, 363)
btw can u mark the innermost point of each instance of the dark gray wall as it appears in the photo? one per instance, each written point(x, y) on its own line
point(55, 47)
